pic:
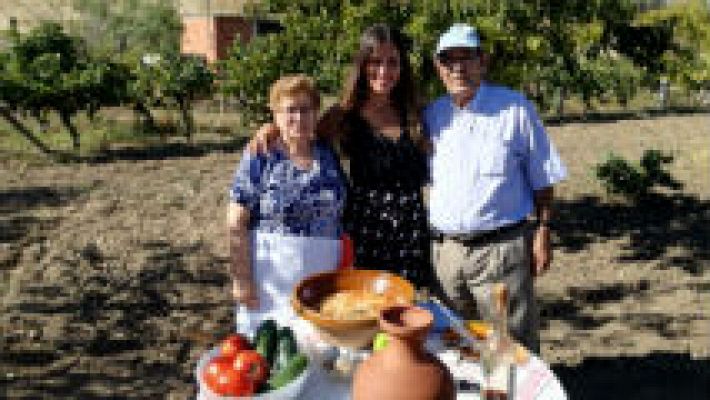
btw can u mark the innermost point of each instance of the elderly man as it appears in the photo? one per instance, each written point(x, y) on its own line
point(492, 172)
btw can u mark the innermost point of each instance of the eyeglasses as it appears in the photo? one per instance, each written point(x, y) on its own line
point(296, 110)
point(448, 60)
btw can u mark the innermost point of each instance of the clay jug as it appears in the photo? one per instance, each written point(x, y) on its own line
point(403, 369)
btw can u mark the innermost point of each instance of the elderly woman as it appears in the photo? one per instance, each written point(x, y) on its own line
point(285, 209)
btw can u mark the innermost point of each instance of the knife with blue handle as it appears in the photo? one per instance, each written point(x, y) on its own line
point(458, 326)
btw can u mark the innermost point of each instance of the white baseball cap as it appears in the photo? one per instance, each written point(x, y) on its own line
point(458, 36)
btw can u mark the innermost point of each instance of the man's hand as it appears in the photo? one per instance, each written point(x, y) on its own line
point(541, 251)
point(541, 247)
point(263, 139)
point(245, 293)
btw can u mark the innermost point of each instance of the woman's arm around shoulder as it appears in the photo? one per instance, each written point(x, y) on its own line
point(330, 126)
point(264, 139)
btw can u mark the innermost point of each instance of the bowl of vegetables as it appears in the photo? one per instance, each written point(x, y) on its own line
point(271, 367)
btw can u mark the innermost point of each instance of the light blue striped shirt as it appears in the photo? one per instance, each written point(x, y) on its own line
point(488, 159)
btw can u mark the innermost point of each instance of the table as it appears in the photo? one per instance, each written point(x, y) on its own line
point(533, 381)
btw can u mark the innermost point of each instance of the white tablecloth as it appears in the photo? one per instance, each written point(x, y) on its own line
point(534, 380)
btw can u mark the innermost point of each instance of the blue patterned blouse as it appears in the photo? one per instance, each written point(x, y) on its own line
point(283, 198)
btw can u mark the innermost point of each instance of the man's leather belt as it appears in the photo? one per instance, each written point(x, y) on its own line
point(478, 236)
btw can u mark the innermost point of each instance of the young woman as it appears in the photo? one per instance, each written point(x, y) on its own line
point(286, 207)
point(376, 129)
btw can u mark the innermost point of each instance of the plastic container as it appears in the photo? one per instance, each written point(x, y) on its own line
point(288, 392)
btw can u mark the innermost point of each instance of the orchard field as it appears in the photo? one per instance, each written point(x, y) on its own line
point(113, 275)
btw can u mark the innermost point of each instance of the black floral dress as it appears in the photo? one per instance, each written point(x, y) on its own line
point(384, 212)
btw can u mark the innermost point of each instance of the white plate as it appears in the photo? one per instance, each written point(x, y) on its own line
point(288, 392)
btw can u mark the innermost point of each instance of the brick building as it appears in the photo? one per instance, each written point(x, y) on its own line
point(211, 26)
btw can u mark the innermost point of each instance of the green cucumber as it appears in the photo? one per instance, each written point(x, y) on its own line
point(265, 340)
point(286, 333)
point(295, 367)
point(267, 325)
point(286, 348)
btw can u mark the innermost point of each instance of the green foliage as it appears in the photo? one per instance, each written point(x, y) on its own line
point(49, 38)
point(50, 70)
point(634, 182)
point(686, 59)
point(570, 49)
point(546, 48)
point(248, 79)
point(598, 50)
point(609, 75)
point(182, 80)
point(645, 44)
point(173, 81)
point(320, 41)
point(11, 84)
point(308, 44)
point(54, 72)
point(624, 80)
point(129, 29)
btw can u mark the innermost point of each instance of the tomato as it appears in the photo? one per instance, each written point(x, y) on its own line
point(233, 344)
point(253, 365)
point(215, 367)
point(224, 380)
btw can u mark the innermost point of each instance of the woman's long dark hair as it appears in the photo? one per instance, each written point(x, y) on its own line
point(355, 89)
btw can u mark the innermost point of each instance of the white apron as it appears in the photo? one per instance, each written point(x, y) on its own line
point(279, 262)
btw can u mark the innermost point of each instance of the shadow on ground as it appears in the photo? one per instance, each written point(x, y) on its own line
point(20, 226)
point(653, 226)
point(163, 151)
point(624, 115)
point(658, 376)
point(119, 332)
point(16, 200)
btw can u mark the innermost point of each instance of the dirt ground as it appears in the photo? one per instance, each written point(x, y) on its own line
point(113, 274)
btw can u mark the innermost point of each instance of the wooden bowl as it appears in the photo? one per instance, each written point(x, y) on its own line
point(355, 333)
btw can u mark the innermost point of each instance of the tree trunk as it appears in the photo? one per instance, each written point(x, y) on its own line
point(146, 117)
point(73, 133)
point(42, 121)
point(24, 131)
point(560, 106)
point(187, 121)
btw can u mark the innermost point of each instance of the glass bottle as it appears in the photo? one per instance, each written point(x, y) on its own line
point(498, 352)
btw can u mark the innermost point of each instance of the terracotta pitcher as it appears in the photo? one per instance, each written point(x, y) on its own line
point(403, 369)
